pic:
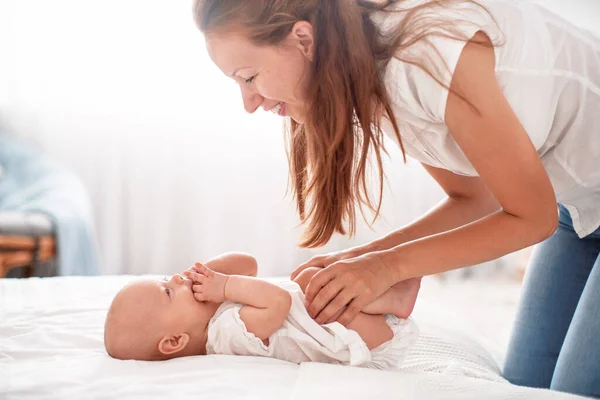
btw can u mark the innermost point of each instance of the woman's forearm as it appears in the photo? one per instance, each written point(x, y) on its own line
point(483, 240)
point(450, 213)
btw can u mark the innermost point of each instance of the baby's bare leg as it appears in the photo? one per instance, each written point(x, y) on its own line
point(373, 329)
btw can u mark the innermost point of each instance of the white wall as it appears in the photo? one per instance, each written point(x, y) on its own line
point(583, 13)
point(122, 91)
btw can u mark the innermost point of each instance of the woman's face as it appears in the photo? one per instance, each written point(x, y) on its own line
point(275, 78)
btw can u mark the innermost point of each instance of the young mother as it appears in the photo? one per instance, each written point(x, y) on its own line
point(500, 102)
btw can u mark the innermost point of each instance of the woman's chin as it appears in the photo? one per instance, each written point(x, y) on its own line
point(297, 119)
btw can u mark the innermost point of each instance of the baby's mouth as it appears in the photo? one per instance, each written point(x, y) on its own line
point(188, 282)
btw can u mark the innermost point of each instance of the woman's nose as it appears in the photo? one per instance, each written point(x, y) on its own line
point(252, 100)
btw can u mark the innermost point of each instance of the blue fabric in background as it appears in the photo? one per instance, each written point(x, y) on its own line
point(30, 181)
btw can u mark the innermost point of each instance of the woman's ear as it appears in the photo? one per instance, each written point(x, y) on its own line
point(173, 344)
point(302, 35)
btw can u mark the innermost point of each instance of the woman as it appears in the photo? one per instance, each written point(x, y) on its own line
point(498, 100)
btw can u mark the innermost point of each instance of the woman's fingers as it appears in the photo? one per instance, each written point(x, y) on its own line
point(335, 306)
point(324, 297)
point(353, 309)
point(318, 305)
point(317, 282)
point(336, 315)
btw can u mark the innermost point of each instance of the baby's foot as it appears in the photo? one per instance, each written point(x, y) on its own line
point(404, 297)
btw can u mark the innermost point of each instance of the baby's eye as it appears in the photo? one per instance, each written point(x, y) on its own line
point(250, 80)
point(168, 292)
point(166, 279)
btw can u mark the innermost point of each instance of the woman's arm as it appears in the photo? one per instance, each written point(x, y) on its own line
point(492, 138)
point(500, 150)
point(468, 200)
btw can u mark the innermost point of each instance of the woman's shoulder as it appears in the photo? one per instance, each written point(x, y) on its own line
point(418, 76)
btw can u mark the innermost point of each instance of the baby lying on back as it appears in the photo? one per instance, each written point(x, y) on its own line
point(222, 308)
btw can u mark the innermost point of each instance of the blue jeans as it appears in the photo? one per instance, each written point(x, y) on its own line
point(555, 341)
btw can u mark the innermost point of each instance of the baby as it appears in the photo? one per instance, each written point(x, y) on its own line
point(222, 308)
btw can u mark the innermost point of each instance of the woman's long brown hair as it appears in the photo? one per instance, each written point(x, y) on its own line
point(347, 100)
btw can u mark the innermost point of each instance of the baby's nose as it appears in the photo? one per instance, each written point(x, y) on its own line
point(177, 278)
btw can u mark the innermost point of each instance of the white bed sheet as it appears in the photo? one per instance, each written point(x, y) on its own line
point(51, 347)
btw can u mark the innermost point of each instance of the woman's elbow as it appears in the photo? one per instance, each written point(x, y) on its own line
point(546, 224)
point(539, 225)
point(551, 225)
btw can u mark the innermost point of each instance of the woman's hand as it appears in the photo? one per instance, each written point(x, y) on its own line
point(208, 285)
point(325, 260)
point(351, 284)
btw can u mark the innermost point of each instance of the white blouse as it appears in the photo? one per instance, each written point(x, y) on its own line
point(549, 71)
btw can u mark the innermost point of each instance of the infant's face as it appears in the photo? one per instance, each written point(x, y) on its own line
point(171, 303)
point(146, 310)
point(175, 304)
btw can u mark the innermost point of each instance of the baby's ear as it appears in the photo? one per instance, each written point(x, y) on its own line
point(173, 344)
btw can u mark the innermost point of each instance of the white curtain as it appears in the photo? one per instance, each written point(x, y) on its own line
point(123, 93)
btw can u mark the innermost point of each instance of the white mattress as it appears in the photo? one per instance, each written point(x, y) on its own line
point(51, 347)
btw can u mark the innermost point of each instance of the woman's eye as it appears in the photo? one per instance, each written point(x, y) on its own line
point(250, 80)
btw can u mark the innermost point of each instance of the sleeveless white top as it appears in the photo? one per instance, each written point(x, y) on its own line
point(548, 69)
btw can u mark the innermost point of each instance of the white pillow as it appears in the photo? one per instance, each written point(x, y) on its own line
point(450, 352)
point(451, 340)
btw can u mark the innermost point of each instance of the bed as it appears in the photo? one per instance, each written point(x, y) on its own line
point(51, 348)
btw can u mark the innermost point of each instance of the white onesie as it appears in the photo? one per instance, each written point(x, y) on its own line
point(301, 339)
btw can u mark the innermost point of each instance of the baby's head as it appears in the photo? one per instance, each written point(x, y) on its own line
point(157, 320)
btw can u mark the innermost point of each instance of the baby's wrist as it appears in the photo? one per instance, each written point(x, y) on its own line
point(225, 287)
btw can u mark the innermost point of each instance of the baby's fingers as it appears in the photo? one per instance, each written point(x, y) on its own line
point(199, 296)
point(196, 277)
point(203, 269)
point(197, 288)
point(198, 291)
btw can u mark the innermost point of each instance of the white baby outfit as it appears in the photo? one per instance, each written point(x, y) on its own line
point(301, 338)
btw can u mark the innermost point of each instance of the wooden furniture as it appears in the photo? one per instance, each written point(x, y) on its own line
point(24, 251)
point(26, 240)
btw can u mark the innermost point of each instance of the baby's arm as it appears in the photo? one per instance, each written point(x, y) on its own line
point(266, 305)
point(234, 263)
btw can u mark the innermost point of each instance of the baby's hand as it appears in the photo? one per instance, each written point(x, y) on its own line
point(208, 285)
